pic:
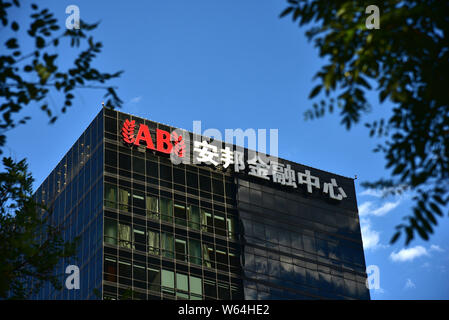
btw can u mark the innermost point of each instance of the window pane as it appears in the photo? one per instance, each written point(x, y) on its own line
point(124, 235)
point(230, 227)
point(138, 165)
point(220, 225)
point(210, 289)
point(168, 280)
point(154, 279)
point(153, 242)
point(110, 195)
point(195, 251)
point(165, 172)
point(124, 269)
point(139, 238)
point(181, 249)
point(196, 286)
point(167, 245)
point(208, 256)
point(110, 268)
point(206, 221)
point(182, 282)
point(152, 169)
point(110, 231)
point(139, 272)
point(138, 199)
point(180, 214)
point(152, 204)
point(124, 198)
point(194, 217)
point(166, 209)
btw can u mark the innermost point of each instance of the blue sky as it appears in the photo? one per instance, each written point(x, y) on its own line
point(235, 64)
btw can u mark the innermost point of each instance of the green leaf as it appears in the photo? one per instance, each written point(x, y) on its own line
point(286, 12)
point(436, 209)
point(12, 43)
point(315, 91)
point(395, 237)
point(40, 42)
point(14, 26)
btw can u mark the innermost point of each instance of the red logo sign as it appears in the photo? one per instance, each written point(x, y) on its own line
point(163, 138)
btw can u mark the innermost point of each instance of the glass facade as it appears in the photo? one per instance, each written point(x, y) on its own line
point(297, 246)
point(157, 230)
point(74, 193)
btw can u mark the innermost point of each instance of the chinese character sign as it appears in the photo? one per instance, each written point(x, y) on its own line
point(279, 173)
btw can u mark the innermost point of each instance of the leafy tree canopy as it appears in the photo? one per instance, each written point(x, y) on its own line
point(407, 60)
point(31, 244)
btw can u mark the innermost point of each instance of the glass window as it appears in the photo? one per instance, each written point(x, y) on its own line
point(138, 165)
point(124, 161)
point(220, 225)
point(182, 282)
point(110, 195)
point(180, 214)
point(208, 255)
point(124, 235)
point(217, 186)
point(110, 158)
point(230, 225)
point(110, 231)
point(139, 272)
point(223, 291)
point(124, 269)
point(139, 238)
point(168, 281)
point(195, 251)
point(138, 199)
point(124, 198)
point(152, 169)
point(182, 296)
point(192, 180)
point(152, 204)
point(178, 176)
point(181, 249)
point(154, 279)
point(222, 259)
point(165, 172)
point(194, 217)
point(205, 183)
point(110, 125)
point(206, 221)
point(210, 288)
point(110, 269)
point(153, 242)
point(309, 243)
point(167, 209)
point(167, 245)
point(196, 286)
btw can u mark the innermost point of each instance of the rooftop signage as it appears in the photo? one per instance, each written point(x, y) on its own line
point(166, 142)
point(259, 165)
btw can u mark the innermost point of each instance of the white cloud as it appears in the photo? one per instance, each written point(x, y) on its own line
point(366, 208)
point(136, 99)
point(409, 254)
point(385, 208)
point(372, 192)
point(370, 237)
point(436, 248)
point(409, 284)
